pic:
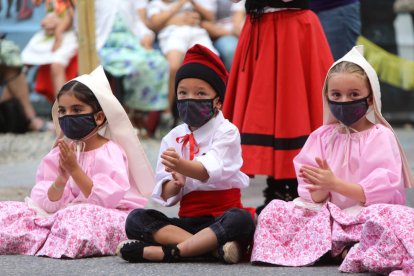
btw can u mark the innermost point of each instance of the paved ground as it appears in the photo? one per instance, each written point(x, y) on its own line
point(19, 157)
point(25, 265)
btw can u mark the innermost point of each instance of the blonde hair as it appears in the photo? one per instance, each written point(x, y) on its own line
point(349, 68)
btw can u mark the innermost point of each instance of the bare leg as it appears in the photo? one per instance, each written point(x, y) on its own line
point(58, 76)
point(17, 86)
point(153, 253)
point(174, 60)
point(171, 234)
point(189, 245)
point(202, 242)
point(166, 119)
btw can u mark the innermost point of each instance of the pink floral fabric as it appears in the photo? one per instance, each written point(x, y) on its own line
point(76, 231)
point(290, 235)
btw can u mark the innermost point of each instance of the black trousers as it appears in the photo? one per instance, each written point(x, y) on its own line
point(234, 225)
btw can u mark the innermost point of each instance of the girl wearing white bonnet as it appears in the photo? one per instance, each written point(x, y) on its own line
point(352, 175)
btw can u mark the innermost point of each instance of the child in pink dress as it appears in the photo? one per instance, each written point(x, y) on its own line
point(55, 45)
point(86, 185)
point(352, 173)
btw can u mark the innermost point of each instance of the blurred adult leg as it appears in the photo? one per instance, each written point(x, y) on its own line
point(16, 85)
point(342, 26)
point(58, 76)
point(226, 46)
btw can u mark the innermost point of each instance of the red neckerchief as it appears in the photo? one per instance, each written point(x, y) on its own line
point(188, 138)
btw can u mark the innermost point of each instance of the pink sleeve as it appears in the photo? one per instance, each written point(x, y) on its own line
point(108, 171)
point(306, 156)
point(110, 177)
point(45, 176)
point(381, 169)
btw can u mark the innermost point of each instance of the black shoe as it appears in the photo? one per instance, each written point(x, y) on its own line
point(282, 189)
point(260, 208)
point(171, 253)
point(328, 259)
point(132, 251)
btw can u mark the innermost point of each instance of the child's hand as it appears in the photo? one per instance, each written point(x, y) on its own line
point(49, 23)
point(173, 187)
point(147, 42)
point(179, 179)
point(188, 168)
point(170, 159)
point(321, 178)
point(67, 157)
point(192, 18)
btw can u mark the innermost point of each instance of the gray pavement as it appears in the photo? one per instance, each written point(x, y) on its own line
point(26, 265)
point(19, 157)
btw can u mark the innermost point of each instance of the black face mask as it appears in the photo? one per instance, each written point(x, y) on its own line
point(349, 112)
point(195, 112)
point(76, 127)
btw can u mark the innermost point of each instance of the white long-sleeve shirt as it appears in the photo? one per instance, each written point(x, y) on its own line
point(220, 154)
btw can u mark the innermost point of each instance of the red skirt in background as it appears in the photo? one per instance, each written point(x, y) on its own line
point(274, 93)
point(44, 84)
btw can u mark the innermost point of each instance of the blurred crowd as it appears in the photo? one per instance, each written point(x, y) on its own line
point(140, 43)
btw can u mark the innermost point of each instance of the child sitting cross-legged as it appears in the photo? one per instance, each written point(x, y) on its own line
point(199, 166)
point(352, 176)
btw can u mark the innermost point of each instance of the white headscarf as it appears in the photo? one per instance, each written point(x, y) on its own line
point(355, 55)
point(118, 129)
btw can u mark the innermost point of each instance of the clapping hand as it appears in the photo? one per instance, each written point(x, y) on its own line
point(179, 179)
point(318, 178)
point(67, 158)
point(170, 159)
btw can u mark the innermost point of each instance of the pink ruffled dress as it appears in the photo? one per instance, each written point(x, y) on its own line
point(298, 233)
point(74, 226)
